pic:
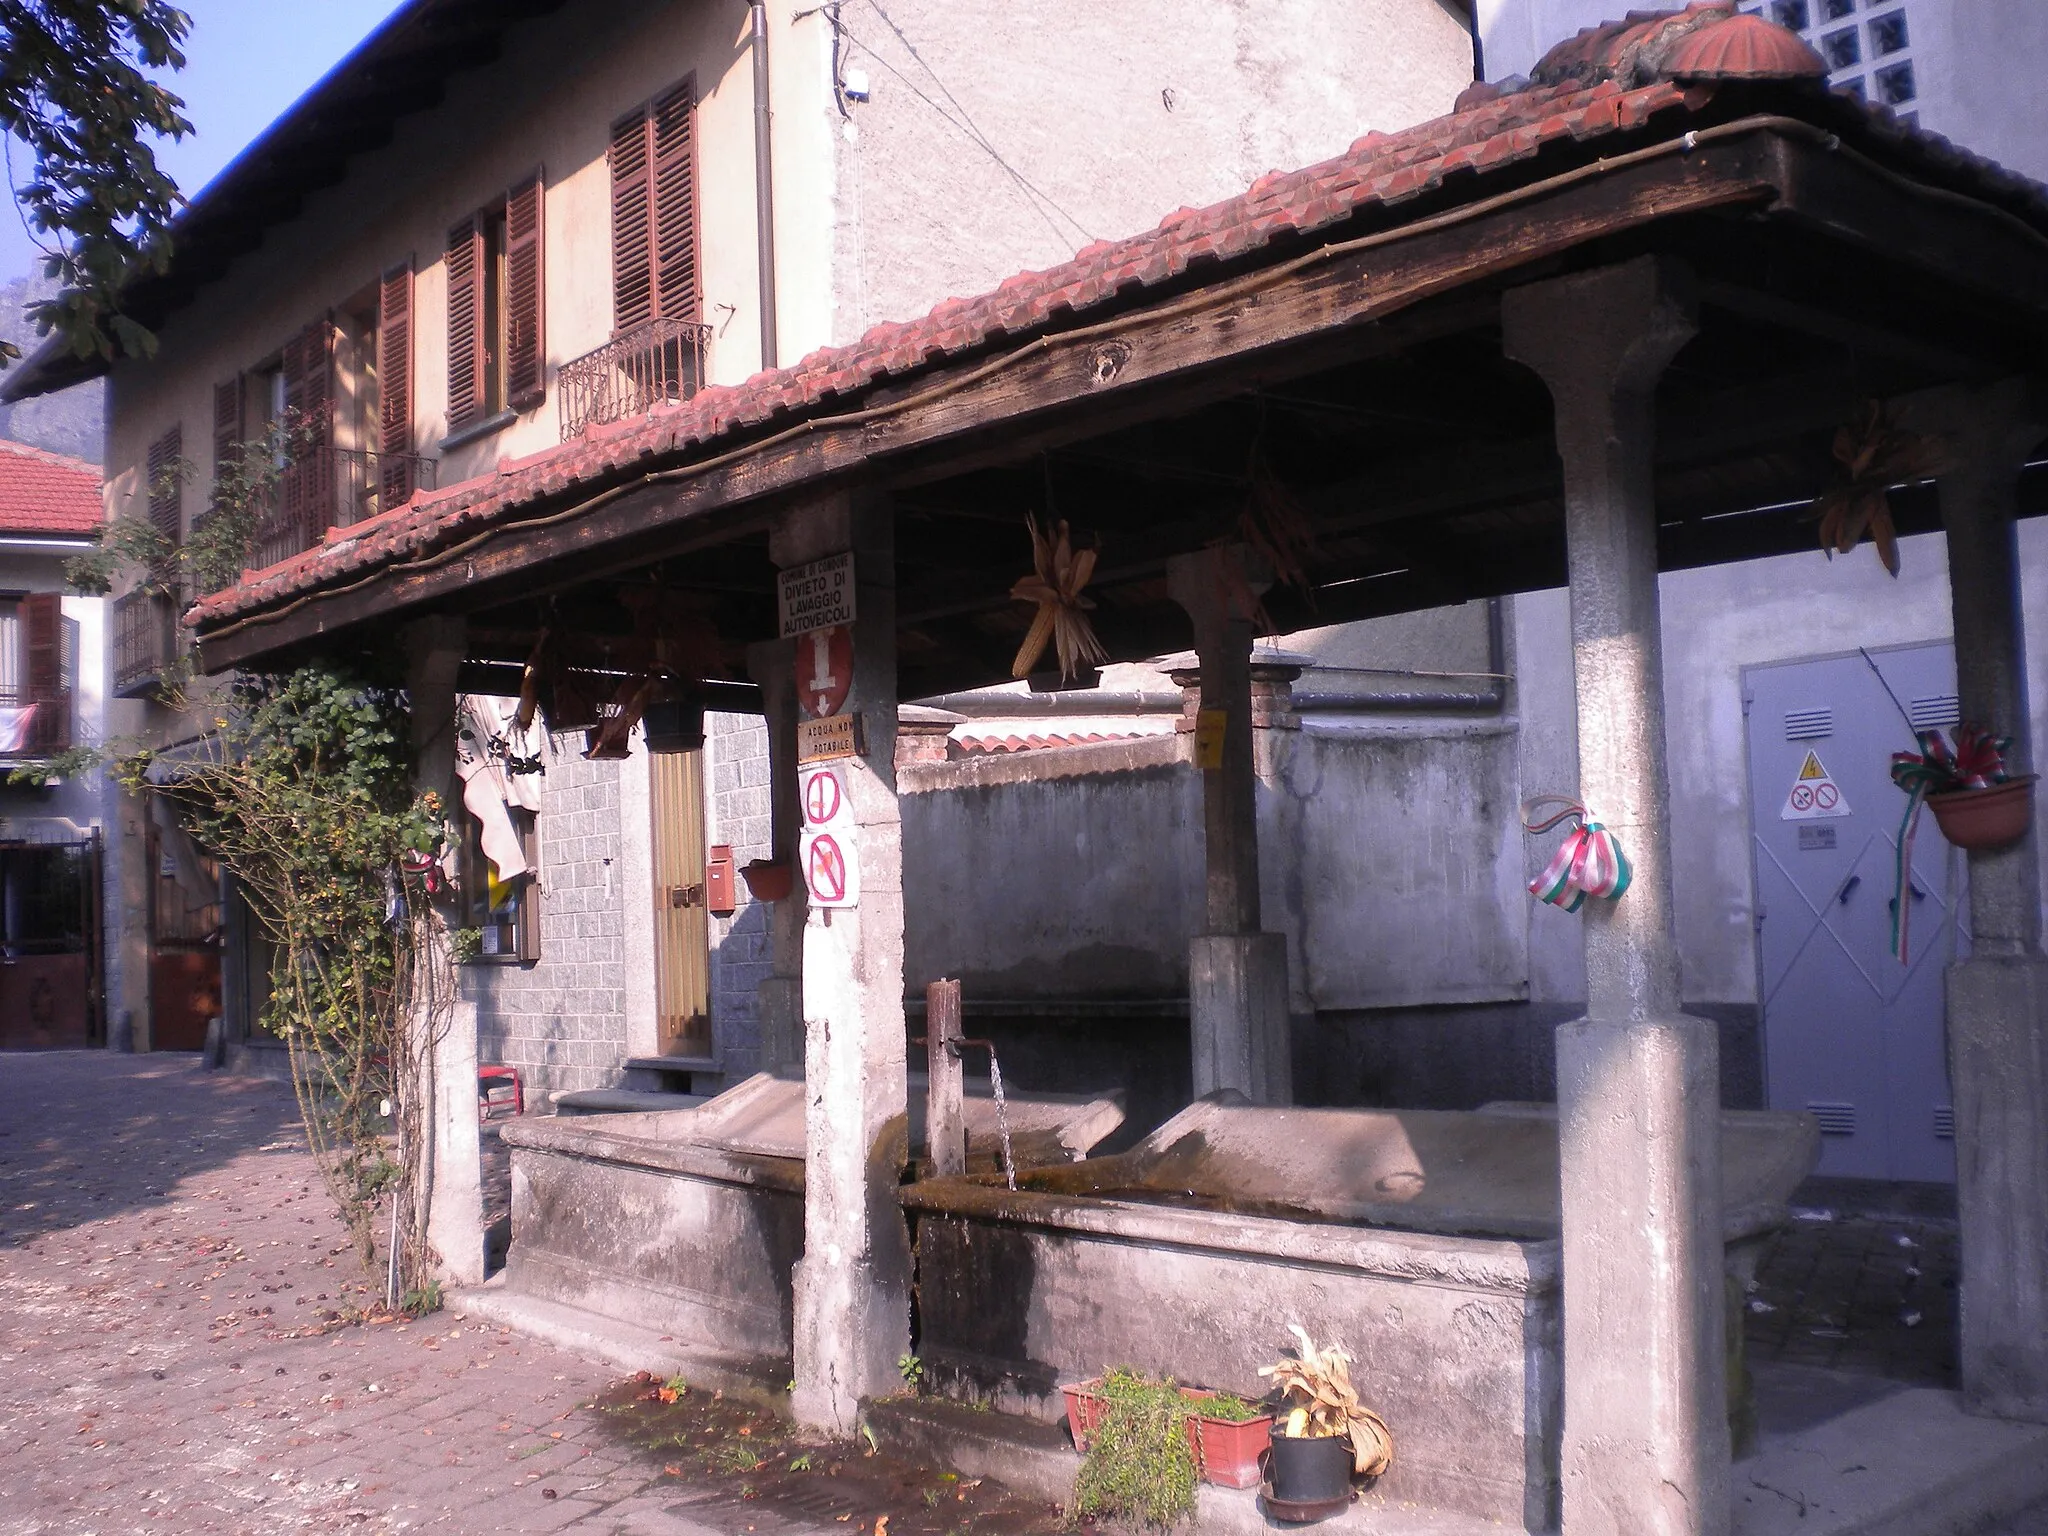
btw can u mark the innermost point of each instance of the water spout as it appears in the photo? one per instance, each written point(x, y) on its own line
point(995, 1082)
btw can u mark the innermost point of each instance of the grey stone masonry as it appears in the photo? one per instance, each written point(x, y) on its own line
point(736, 754)
point(562, 1019)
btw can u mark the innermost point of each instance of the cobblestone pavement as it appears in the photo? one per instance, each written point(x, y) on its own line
point(165, 1250)
point(1873, 1294)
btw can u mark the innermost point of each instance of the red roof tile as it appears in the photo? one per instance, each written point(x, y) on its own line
point(44, 492)
point(1608, 80)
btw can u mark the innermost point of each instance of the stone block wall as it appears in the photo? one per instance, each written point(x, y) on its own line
point(737, 813)
point(562, 1019)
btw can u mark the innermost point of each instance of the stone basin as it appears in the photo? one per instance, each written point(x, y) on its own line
point(689, 1221)
point(1425, 1242)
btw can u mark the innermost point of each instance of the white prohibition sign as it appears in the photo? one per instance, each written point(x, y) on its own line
point(824, 798)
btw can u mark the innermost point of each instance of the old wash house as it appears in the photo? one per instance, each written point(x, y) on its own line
point(1407, 479)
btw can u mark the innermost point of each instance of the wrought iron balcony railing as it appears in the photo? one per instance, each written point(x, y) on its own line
point(145, 642)
point(34, 722)
point(325, 488)
point(659, 362)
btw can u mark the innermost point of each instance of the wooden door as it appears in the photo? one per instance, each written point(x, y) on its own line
point(682, 929)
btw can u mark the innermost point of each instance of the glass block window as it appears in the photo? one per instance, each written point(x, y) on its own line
point(1888, 34)
point(1853, 35)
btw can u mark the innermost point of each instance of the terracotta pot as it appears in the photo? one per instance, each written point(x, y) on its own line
point(1226, 1451)
point(1310, 1471)
point(1981, 819)
point(768, 879)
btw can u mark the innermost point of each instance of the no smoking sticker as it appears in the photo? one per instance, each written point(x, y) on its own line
point(1814, 795)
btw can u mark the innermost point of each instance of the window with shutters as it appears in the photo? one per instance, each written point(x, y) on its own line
point(654, 212)
point(497, 359)
point(38, 656)
point(164, 486)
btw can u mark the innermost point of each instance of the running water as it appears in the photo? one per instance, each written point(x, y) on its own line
point(995, 1083)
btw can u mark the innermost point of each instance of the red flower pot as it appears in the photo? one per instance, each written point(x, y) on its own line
point(1982, 819)
point(768, 879)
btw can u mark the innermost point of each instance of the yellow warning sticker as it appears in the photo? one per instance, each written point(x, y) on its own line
point(1814, 795)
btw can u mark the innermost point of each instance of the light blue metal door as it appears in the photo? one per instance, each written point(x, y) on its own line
point(1850, 1033)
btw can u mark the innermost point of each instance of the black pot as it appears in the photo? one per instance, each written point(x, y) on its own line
point(1310, 1471)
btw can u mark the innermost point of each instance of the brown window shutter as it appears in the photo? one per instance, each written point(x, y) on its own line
point(163, 490)
point(525, 296)
point(308, 489)
point(632, 228)
point(465, 324)
point(227, 423)
point(675, 204)
point(394, 386)
point(42, 616)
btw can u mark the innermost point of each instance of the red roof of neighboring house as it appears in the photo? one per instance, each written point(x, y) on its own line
point(1607, 82)
point(43, 492)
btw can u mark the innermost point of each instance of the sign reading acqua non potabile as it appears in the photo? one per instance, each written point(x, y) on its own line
point(815, 596)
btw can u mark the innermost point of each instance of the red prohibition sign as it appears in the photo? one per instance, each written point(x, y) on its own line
point(1825, 796)
point(821, 798)
point(827, 875)
point(1802, 798)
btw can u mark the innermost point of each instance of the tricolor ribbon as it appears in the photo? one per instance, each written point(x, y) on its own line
point(1977, 761)
point(1588, 863)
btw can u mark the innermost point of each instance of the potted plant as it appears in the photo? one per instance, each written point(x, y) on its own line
point(1227, 1434)
point(769, 879)
point(1326, 1437)
point(1137, 1458)
point(1976, 802)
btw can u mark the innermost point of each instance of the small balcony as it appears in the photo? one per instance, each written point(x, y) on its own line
point(658, 363)
point(35, 722)
point(145, 643)
point(325, 488)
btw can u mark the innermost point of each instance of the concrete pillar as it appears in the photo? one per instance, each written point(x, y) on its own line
point(455, 1218)
point(1645, 1447)
point(779, 1000)
point(1998, 997)
point(1237, 974)
point(853, 1283)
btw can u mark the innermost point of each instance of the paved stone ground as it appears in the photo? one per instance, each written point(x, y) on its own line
point(1874, 1294)
point(166, 1252)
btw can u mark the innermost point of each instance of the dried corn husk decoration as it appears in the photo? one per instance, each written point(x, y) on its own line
point(1322, 1403)
point(1055, 585)
point(1874, 454)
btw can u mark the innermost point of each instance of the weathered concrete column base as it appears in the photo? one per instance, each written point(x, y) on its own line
point(1237, 1015)
point(1998, 1067)
point(1639, 1133)
point(455, 1213)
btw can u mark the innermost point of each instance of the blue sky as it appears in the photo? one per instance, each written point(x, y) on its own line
point(245, 62)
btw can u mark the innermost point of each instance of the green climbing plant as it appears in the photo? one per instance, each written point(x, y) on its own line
point(303, 789)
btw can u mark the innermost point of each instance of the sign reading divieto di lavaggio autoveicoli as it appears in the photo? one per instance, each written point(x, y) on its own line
point(815, 596)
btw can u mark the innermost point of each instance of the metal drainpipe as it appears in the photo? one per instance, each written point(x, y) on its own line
point(764, 182)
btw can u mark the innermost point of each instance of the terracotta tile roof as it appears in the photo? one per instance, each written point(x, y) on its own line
point(1607, 82)
point(43, 492)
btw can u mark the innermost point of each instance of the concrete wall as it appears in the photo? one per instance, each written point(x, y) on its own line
point(736, 813)
point(1015, 134)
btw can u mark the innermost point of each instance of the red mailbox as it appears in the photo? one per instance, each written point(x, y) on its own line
point(719, 893)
